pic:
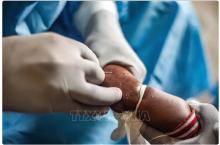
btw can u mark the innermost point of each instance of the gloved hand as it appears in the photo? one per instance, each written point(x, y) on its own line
point(207, 135)
point(50, 73)
point(98, 22)
point(104, 37)
point(106, 40)
point(128, 125)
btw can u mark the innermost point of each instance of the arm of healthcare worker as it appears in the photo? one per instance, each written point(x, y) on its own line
point(98, 23)
point(47, 72)
point(208, 134)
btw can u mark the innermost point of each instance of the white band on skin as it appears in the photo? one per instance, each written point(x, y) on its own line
point(141, 94)
point(88, 8)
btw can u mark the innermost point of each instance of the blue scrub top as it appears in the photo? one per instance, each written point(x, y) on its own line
point(165, 35)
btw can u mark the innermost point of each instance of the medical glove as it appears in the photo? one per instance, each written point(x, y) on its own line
point(105, 38)
point(47, 73)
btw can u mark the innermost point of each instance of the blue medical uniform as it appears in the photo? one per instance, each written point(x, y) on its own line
point(165, 35)
point(215, 93)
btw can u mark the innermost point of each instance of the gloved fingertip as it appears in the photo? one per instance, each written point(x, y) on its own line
point(194, 104)
point(101, 76)
point(117, 93)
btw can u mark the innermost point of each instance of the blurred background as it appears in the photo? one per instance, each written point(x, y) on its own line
point(207, 12)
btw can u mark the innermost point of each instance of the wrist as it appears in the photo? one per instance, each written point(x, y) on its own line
point(89, 8)
point(104, 24)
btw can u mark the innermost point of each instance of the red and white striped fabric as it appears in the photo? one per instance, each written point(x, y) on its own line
point(188, 128)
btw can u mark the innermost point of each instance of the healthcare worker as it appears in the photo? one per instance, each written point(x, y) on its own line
point(158, 32)
point(54, 74)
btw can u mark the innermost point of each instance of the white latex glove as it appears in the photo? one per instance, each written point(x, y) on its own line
point(89, 8)
point(98, 23)
point(128, 124)
point(50, 73)
point(120, 131)
point(207, 135)
point(102, 33)
point(106, 40)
